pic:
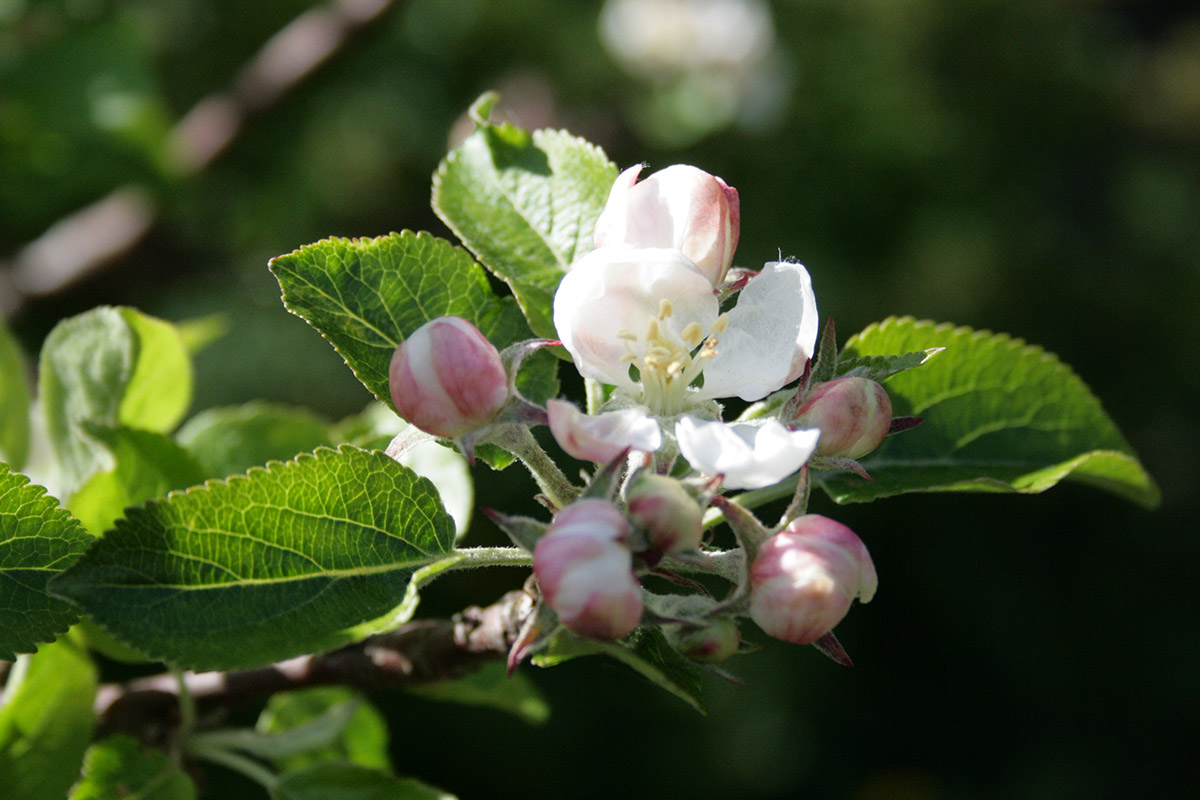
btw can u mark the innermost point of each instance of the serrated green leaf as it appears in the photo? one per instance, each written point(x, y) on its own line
point(880, 368)
point(526, 205)
point(38, 539)
point(14, 402)
point(46, 721)
point(109, 366)
point(228, 441)
point(646, 650)
point(352, 782)
point(362, 739)
point(367, 295)
point(1000, 416)
point(119, 767)
point(492, 687)
point(146, 465)
point(266, 565)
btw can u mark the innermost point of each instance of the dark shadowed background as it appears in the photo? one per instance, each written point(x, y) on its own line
point(1028, 167)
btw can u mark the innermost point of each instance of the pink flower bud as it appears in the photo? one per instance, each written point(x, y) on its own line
point(804, 578)
point(586, 572)
point(711, 644)
point(680, 208)
point(447, 378)
point(668, 515)
point(853, 415)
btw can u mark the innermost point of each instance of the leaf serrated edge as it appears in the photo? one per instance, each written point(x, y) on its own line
point(41, 495)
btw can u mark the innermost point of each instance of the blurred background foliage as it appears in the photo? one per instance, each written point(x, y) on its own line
point(1030, 167)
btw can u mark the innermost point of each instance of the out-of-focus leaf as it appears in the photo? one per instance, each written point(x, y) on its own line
point(119, 767)
point(46, 721)
point(362, 738)
point(492, 687)
point(109, 367)
point(14, 402)
point(343, 781)
point(146, 465)
point(227, 441)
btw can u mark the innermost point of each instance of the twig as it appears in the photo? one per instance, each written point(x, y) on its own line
point(419, 652)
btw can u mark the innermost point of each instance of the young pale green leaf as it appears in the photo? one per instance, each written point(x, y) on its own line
point(147, 465)
point(38, 540)
point(646, 650)
point(367, 295)
point(120, 766)
point(1000, 416)
point(14, 402)
point(880, 368)
point(227, 441)
point(46, 721)
point(362, 739)
point(525, 204)
point(492, 687)
point(109, 366)
point(351, 782)
point(266, 565)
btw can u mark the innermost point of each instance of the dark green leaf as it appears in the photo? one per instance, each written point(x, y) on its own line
point(351, 782)
point(38, 540)
point(367, 295)
point(119, 767)
point(109, 366)
point(645, 650)
point(146, 465)
point(14, 402)
point(265, 565)
point(227, 441)
point(362, 739)
point(525, 204)
point(46, 721)
point(1000, 416)
point(492, 687)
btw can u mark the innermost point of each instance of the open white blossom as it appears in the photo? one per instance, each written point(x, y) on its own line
point(648, 322)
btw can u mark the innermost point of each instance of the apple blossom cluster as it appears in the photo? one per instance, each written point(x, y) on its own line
point(663, 327)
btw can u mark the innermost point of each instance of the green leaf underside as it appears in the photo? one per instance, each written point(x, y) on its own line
point(46, 722)
point(352, 782)
point(109, 366)
point(120, 767)
point(38, 540)
point(526, 205)
point(14, 402)
point(645, 650)
point(492, 687)
point(266, 565)
point(1000, 416)
point(367, 295)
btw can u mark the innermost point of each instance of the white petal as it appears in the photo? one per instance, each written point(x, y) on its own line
point(749, 456)
point(772, 332)
point(601, 437)
point(613, 289)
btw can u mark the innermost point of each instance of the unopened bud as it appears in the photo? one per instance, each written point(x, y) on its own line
point(663, 509)
point(714, 642)
point(804, 578)
point(586, 572)
point(680, 208)
point(447, 378)
point(853, 415)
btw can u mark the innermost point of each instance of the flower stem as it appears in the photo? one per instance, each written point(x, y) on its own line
point(492, 557)
point(517, 440)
